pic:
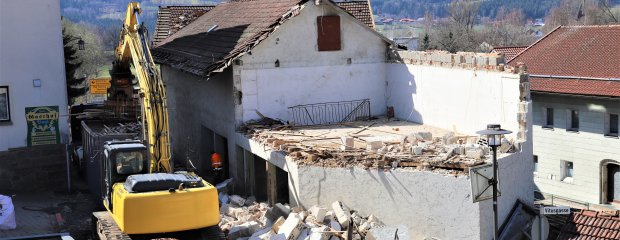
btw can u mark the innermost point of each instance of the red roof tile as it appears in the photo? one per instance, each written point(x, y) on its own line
point(360, 9)
point(587, 225)
point(609, 88)
point(569, 52)
point(509, 52)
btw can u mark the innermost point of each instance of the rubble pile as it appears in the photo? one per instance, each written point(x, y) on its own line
point(185, 19)
point(418, 149)
point(246, 219)
point(129, 127)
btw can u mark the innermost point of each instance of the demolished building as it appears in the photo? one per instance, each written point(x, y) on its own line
point(308, 106)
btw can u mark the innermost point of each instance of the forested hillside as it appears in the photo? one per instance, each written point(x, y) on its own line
point(438, 8)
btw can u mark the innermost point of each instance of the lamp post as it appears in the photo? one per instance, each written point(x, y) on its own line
point(494, 134)
point(80, 42)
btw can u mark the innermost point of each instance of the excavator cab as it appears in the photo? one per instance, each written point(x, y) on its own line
point(122, 159)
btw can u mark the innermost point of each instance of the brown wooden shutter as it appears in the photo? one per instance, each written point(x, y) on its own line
point(328, 28)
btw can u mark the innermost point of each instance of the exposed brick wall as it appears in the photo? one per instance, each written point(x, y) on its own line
point(33, 168)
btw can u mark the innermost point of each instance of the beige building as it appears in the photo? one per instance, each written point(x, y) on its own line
point(576, 96)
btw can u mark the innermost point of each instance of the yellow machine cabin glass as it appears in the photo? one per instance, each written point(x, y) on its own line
point(129, 162)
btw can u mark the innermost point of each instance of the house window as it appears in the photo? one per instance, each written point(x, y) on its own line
point(535, 163)
point(328, 31)
point(612, 125)
point(567, 171)
point(548, 117)
point(573, 120)
point(5, 110)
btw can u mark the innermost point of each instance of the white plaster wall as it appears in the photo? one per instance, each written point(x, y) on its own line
point(308, 76)
point(586, 148)
point(429, 204)
point(31, 48)
point(461, 100)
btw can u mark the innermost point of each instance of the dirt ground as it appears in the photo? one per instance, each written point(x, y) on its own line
point(47, 212)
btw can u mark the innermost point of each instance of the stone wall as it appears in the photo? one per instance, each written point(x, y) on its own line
point(33, 168)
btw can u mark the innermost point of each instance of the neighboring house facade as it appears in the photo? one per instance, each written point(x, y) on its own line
point(33, 96)
point(575, 77)
point(32, 70)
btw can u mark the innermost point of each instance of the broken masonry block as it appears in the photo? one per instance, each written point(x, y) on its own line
point(277, 237)
point(335, 225)
point(291, 228)
point(475, 153)
point(416, 150)
point(342, 213)
point(347, 143)
point(278, 210)
point(318, 213)
point(319, 233)
point(237, 200)
point(275, 227)
point(373, 146)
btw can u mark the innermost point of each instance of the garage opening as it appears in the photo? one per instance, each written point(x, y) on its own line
point(264, 180)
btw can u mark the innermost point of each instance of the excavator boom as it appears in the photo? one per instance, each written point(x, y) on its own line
point(133, 48)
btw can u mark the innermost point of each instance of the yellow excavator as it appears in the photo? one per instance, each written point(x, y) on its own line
point(143, 197)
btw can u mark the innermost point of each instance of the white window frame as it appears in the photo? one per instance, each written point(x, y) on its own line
point(5, 89)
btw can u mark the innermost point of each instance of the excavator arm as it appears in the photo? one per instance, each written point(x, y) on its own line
point(133, 49)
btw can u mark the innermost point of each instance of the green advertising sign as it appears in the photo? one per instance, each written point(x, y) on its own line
point(42, 125)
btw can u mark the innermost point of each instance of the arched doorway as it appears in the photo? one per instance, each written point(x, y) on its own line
point(610, 181)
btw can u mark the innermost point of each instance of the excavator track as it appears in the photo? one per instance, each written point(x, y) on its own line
point(105, 228)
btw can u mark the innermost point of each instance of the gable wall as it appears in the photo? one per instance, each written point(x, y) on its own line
point(307, 76)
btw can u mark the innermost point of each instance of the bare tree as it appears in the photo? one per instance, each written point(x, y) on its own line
point(464, 12)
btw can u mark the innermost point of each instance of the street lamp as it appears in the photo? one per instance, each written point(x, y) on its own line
point(80, 42)
point(494, 134)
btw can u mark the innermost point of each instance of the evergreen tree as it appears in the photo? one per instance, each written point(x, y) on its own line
point(426, 43)
point(75, 85)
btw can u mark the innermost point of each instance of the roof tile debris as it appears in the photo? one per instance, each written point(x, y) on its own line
point(236, 27)
point(591, 225)
point(575, 60)
point(509, 52)
point(379, 143)
point(172, 18)
point(360, 9)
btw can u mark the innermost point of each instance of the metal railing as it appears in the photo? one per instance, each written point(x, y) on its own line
point(552, 199)
point(330, 112)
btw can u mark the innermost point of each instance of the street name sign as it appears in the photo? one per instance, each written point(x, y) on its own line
point(556, 210)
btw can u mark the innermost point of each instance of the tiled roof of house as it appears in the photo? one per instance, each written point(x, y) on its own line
point(591, 225)
point(236, 27)
point(509, 52)
point(172, 18)
point(360, 9)
point(576, 60)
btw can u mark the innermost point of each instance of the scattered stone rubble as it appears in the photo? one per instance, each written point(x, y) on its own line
point(245, 218)
point(450, 153)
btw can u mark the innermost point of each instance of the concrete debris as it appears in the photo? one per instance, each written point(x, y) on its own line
point(388, 233)
point(374, 145)
point(277, 211)
point(251, 222)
